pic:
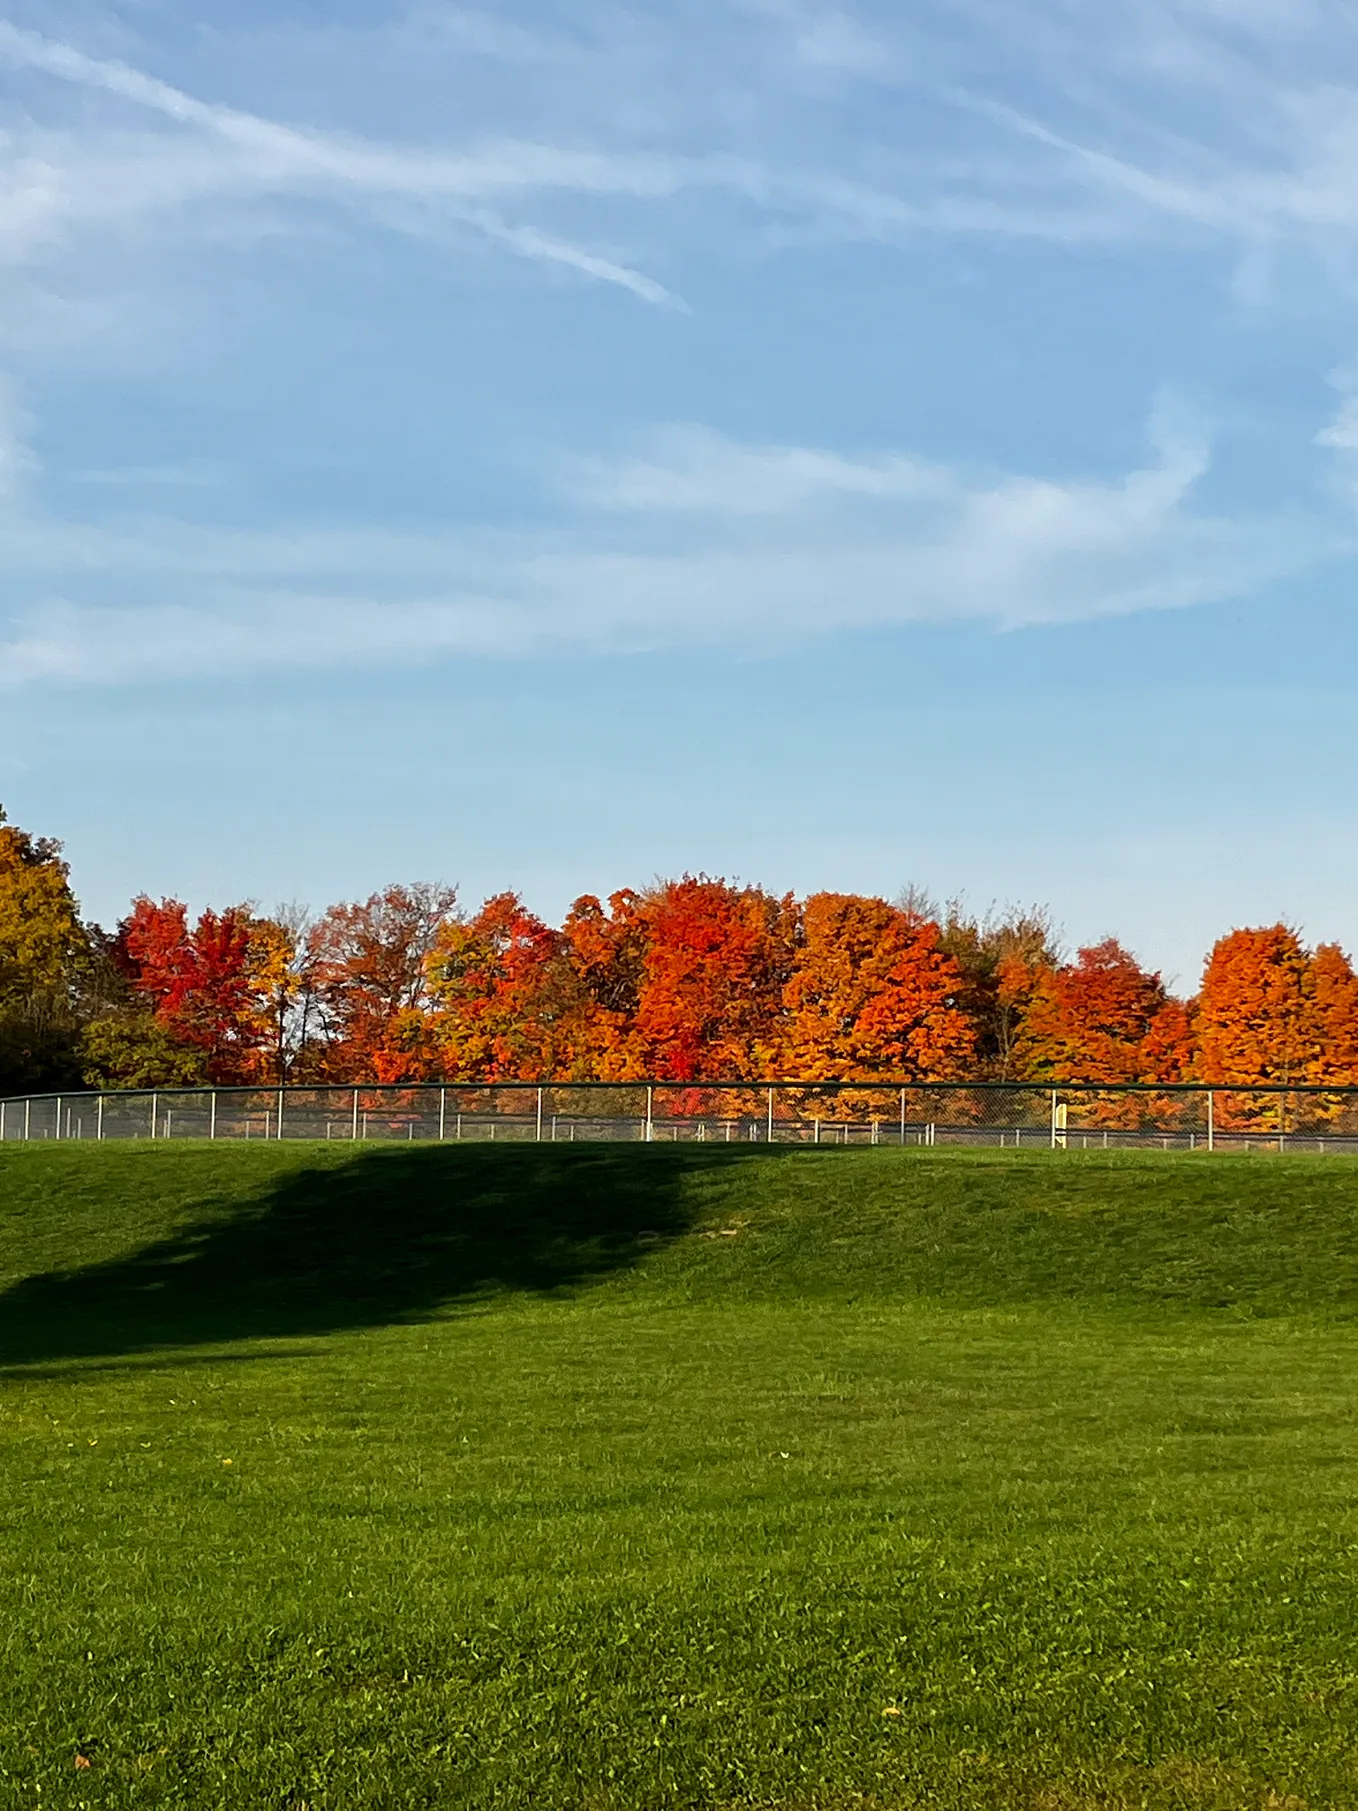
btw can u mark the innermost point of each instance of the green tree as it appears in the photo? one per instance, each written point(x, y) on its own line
point(132, 1049)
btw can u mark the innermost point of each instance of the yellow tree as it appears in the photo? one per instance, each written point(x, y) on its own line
point(42, 948)
point(283, 968)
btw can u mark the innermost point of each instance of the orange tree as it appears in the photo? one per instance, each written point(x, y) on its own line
point(606, 949)
point(1104, 1018)
point(871, 994)
point(1252, 1009)
point(1332, 1012)
point(1273, 1014)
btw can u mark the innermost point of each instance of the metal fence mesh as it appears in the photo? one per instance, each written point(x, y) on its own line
point(880, 1113)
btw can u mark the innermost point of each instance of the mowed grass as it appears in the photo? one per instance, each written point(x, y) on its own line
point(632, 1479)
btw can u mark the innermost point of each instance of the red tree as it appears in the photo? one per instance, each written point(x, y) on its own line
point(371, 966)
point(198, 981)
point(716, 961)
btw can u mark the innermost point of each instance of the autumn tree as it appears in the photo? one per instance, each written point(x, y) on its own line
point(1102, 1018)
point(1003, 959)
point(197, 981)
point(717, 957)
point(1332, 1014)
point(285, 974)
point(43, 951)
point(872, 993)
point(1253, 1019)
point(504, 995)
point(606, 949)
point(1273, 1014)
point(372, 969)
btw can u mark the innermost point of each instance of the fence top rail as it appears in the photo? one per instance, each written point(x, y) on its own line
point(876, 1084)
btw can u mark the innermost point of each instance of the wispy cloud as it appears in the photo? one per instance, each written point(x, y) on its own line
point(695, 537)
point(1182, 120)
point(703, 542)
point(18, 462)
point(268, 156)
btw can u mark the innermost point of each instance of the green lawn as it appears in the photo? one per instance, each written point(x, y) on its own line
point(635, 1478)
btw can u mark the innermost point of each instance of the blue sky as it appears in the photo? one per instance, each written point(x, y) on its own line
point(558, 444)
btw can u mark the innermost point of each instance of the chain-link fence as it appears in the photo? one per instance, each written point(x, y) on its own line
point(1013, 1115)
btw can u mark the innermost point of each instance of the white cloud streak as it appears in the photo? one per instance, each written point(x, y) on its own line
point(1265, 155)
point(697, 540)
point(702, 543)
point(269, 157)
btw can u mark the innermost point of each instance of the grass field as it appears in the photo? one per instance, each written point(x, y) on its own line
point(634, 1478)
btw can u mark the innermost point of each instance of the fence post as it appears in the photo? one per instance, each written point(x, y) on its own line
point(1211, 1119)
point(539, 1115)
point(28, 1104)
point(58, 1129)
point(211, 1113)
point(1053, 1119)
point(354, 1131)
point(770, 1132)
point(902, 1118)
point(650, 1114)
point(443, 1111)
point(99, 1119)
point(155, 1110)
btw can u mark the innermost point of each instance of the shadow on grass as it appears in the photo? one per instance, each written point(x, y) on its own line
point(389, 1236)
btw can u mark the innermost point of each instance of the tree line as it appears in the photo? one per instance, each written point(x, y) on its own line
point(695, 979)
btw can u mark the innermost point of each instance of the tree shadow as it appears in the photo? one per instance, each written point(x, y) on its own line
point(389, 1236)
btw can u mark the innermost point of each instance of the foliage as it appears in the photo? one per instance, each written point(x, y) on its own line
point(372, 965)
point(136, 1050)
point(717, 959)
point(1103, 1018)
point(1002, 959)
point(1332, 1015)
point(872, 993)
point(687, 981)
point(503, 995)
point(198, 980)
point(43, 950)
point(606, 950)
point(1252, 1010)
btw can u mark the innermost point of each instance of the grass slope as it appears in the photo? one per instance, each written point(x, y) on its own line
point(634, 1479)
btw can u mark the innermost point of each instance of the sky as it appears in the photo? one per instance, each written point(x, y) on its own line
point(556, 445)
